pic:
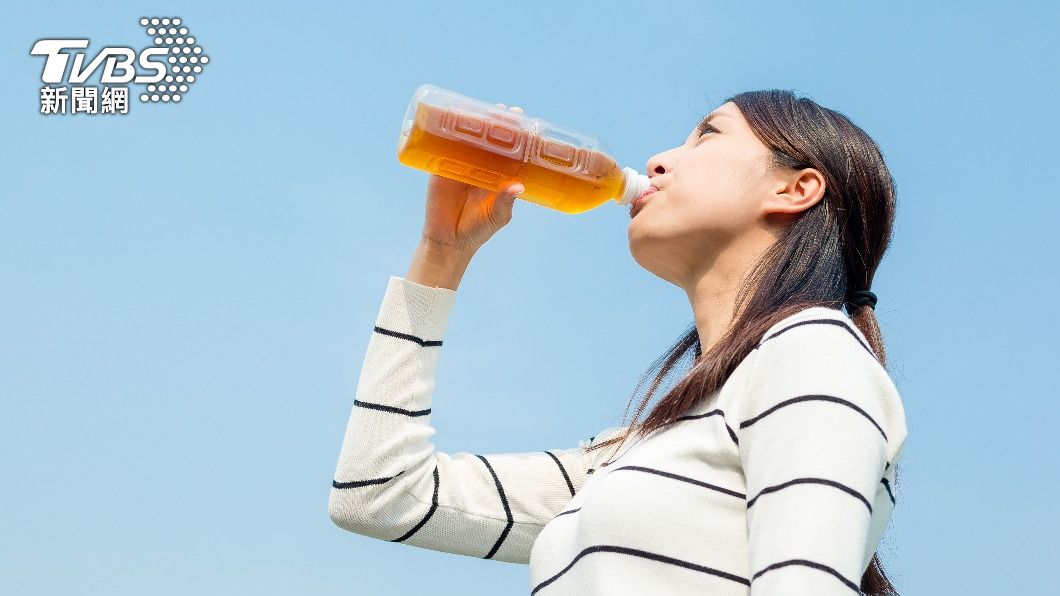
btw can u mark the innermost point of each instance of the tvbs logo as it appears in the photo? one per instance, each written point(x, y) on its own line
point(167, 69)
point(117, 58)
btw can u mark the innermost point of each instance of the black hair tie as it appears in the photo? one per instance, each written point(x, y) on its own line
point(863, 297)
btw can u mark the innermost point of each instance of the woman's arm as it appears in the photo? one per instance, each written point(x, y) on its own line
point(391, 484)
point(820, 428)
point(438, 266)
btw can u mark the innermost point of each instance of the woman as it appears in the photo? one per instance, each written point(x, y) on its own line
point(766, 470)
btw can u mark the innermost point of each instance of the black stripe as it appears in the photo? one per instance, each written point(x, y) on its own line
point(682, 479)
point(838, 323)
point(412, 338)
point(392, 409)
point(813, 397)
point(563, 471)
point(642, 554)
point(360, 483)
point(812, 564)
point(566, 512)
point(887, 485)
point(732, 435)
point(774, 488)
point(430, 512)
point(507, 509)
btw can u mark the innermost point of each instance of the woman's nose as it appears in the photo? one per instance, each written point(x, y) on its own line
point(656, 166)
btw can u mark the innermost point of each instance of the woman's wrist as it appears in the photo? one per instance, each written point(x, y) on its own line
point(438, 265)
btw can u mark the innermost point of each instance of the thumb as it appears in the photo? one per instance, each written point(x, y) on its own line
point(502, 206)
point(513, 191)
point(507, 197)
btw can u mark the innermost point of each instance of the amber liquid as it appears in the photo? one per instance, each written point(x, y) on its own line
point(491, 153)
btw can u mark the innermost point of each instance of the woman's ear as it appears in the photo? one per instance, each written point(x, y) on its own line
point(795, 192)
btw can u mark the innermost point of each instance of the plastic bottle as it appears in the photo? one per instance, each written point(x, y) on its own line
point(484, 145)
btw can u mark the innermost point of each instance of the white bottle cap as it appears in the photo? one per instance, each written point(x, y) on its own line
point(636, 184)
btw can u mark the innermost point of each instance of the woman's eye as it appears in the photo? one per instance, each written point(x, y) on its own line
point(707, 128)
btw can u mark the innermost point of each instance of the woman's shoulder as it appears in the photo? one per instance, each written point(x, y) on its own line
point(815, 325)
point(819, 355)
point(819, 350)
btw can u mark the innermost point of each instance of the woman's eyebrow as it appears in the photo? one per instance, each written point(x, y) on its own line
point(706, 120)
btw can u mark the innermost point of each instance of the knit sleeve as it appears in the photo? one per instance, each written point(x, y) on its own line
point(390, 482)
point(821, 427)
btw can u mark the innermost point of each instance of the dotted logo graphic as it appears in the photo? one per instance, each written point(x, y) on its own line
point(166, 68)
point(185, 59)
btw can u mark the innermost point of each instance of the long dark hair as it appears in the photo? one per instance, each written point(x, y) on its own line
point(827, 252)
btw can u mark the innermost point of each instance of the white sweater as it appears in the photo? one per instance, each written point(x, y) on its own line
point(779, 486)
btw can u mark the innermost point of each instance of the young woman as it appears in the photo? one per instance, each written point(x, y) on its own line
point(769, 467)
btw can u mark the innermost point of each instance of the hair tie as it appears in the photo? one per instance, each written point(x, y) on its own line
point(863, 298)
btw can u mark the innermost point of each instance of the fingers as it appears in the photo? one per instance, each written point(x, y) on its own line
point(513, 108)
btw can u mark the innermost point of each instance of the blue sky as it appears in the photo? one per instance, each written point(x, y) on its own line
point(188, 290)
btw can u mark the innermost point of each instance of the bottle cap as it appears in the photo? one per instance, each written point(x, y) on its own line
point(636, 184)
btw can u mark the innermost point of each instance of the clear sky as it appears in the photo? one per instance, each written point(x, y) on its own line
point(188, 290)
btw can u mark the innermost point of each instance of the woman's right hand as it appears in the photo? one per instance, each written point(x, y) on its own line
point(463, 217)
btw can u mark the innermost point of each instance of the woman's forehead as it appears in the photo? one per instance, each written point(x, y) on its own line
point(721, 114)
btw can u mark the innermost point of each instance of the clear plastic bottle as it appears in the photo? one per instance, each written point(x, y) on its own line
point(484, 145)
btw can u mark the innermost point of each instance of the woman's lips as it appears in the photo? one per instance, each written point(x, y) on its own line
point(638, 202)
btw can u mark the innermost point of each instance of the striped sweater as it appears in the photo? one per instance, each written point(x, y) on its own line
point(779, 485)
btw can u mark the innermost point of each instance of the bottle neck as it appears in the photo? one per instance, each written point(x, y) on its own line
point(635, 185)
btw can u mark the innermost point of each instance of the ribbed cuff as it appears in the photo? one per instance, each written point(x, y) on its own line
point(416, 309)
